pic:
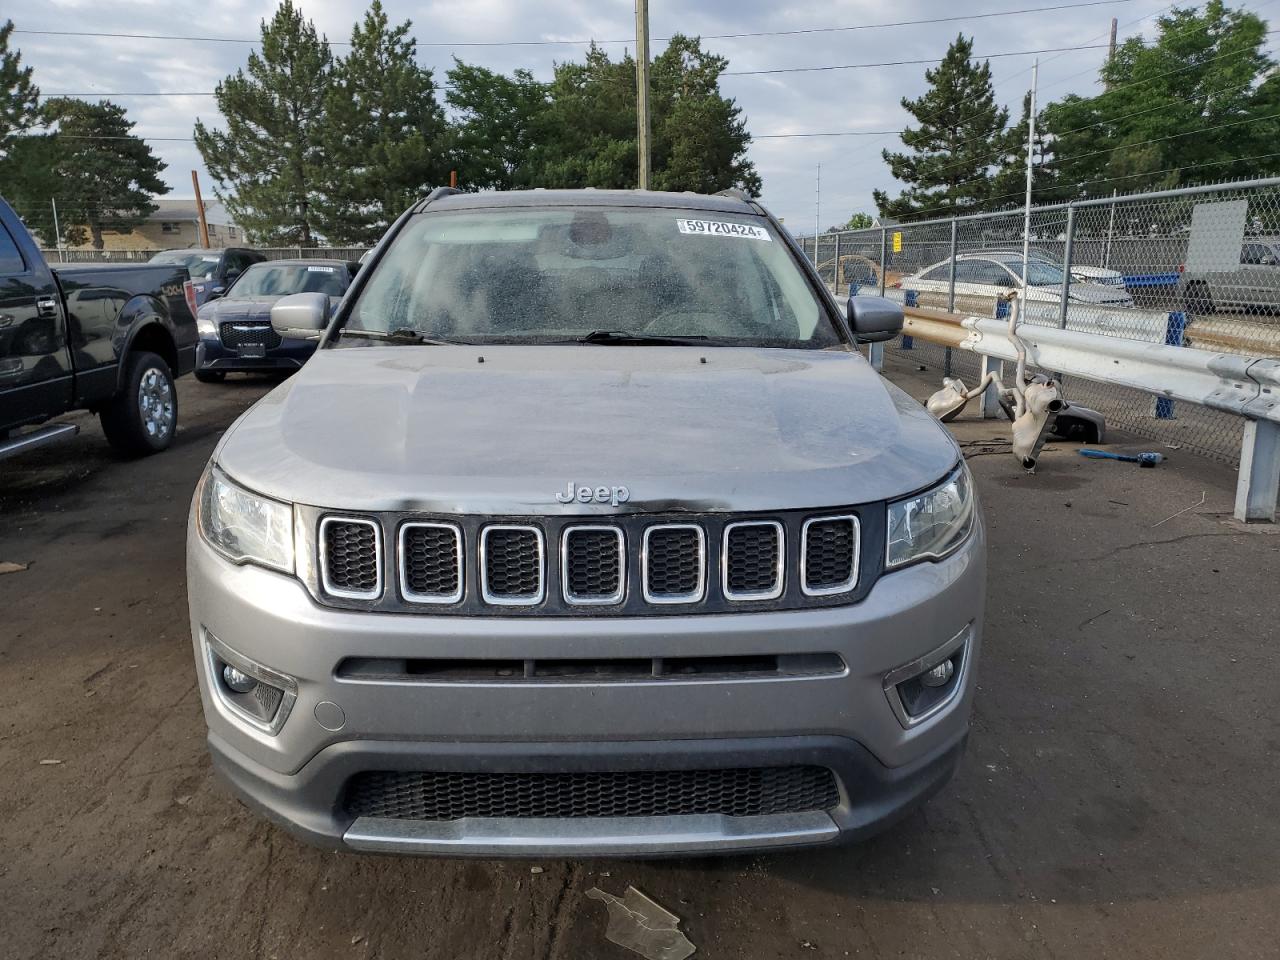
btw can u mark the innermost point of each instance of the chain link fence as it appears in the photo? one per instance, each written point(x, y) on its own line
point(1198, 267)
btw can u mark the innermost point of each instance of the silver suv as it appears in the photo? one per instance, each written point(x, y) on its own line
point(586, 530)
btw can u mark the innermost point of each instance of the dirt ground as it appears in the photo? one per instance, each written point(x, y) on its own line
point(1118, 799)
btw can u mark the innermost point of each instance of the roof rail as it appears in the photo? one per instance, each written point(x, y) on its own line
point(436, 194)
point(736, 193)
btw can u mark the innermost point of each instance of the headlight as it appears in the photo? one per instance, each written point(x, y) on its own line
point(933, 524)
point(205, 326)
point(245, 527)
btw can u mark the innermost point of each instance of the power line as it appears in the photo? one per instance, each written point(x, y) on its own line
point(902, 63)
point(588, 40)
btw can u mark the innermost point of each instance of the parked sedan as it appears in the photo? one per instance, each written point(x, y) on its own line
point(1079, 272)
point(989, 275)
point(235, 330)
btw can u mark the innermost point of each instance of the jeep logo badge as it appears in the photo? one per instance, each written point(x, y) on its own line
point(586, 494)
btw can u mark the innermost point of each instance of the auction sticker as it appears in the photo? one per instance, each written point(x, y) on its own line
point(319, 269)
point(718, 228)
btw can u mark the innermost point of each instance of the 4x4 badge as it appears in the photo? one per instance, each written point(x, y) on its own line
point(587, 494)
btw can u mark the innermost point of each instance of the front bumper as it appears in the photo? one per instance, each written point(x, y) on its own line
point(843, 721)
point(213, 355)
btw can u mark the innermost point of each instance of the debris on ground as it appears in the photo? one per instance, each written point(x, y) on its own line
point(8, 566)
point(642, 926)
point(49, 763)
point(1198, 503)
point(1141, 459)
point(535, 869)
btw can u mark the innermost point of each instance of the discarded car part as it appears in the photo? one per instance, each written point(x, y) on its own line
point(1041, 405)
point(642, 926)
point(1141, 459)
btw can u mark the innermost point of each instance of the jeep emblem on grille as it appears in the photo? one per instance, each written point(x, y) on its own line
point(587, 494)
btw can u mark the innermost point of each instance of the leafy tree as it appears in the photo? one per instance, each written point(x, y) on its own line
point(103, 176)
point(268, 163)
point(1154, 125)
point(494, 123)
point(19, 97)
point(1010, 182)
point(960, 135)
point(384, 134)
point(859, 221)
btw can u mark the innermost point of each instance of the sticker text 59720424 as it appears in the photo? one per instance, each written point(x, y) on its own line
point(719, 228)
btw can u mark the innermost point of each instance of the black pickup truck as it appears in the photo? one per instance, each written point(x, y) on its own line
point(109, 338)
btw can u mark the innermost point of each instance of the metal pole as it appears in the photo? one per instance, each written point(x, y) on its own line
point(835, 270)
point(1031, 147)
point(951, 289)
point(1111, 229)
point(204, 225)
point(817, 201)
point(57, 231)
point(643, 154)
point(884, 253)
point(1066, 267)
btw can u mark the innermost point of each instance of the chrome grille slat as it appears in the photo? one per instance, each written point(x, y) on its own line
point(593, 566)
point(829, 555)
point(752, 560)
point(351, 557)
point(512, 564)
point(674, 555)
point(430, 562)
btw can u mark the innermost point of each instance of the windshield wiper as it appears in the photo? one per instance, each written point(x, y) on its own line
point(626, 338)
point(398, 335)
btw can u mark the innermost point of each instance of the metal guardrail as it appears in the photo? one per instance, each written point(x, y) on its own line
point(1239, 385)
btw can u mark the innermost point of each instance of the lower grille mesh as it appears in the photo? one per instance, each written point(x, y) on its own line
point(736, 792)
point(249, 334)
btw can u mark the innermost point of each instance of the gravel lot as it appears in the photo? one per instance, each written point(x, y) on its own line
point(1118, 798)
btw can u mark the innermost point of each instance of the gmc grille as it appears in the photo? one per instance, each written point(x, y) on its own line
point(733, 792)
point(245, 334)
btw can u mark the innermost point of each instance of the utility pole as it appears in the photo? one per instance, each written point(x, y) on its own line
point(642, 93)
point(1031, 149)
point(1111, 49)
point(817, 210)
point(204, 224)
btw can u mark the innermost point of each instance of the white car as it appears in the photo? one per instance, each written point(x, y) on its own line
point(989, 275)
point(1079, 272)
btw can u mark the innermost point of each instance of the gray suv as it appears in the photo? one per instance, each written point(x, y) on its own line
point(586, 531)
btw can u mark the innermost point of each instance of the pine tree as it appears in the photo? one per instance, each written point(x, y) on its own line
point(1010, 183)
point(267, 163)
point(105, 175)
point(494, 121)
point(19, 97)
point(959, 139)
point(386, 142)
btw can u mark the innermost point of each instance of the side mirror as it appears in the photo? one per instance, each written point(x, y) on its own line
point(873, 319)
point(300, 316)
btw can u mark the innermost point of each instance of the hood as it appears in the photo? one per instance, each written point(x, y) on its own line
point(439, 429)
point(222, 311)
point(1099, 293)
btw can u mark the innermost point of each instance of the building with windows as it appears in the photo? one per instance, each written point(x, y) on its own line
point(175, 224)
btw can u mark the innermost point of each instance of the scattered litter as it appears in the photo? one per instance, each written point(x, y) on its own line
point(8, 566)
point(642, 926)
point(535, 869)
point(357, 938)
point(49, 763)
point(1119, 503)
point(1141, 459)
point(1097, 616)
point(1174, 446)
point(808, 945)
point(1198, 503)
point(935, 890)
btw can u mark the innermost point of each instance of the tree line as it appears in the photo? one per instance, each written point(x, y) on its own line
point(1199, 102)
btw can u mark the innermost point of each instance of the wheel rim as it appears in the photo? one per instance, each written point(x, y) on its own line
point(155, 403)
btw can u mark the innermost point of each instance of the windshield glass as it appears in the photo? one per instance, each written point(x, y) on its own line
point(199, 263)
point(555, 274)
point(279, 279)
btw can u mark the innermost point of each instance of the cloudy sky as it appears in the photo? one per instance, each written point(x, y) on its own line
point(828, 101)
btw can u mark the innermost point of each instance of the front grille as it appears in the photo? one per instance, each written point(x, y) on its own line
point(431, 562)
point(830, 555)
point(511, 559)
point(734, 792)
point(241, 334)
point(753, 560)
point(350, 563)
point(674, 563)
point(592, 565)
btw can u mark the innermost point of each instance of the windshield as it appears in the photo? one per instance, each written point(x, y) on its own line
point(199, 263)
point(279, 279)
point(1039, 273)
point(554, 275)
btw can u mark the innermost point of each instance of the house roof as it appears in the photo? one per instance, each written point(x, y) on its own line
point(184, 208)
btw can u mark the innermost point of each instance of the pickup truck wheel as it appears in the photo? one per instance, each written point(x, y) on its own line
point(141, 419)
point(211, 376)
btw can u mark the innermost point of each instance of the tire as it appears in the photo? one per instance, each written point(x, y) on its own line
point(1198, 300)
point(143, 417)
point(211, 376)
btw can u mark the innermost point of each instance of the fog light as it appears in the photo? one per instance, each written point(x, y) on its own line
point(237, 681)
point(939, 675)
